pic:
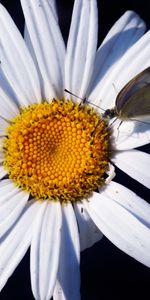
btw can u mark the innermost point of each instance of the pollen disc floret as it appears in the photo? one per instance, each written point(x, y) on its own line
point(57, 150)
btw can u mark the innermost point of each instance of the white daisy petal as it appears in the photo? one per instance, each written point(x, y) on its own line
point(135, 60)
point(68, 284)
point(8, 107)
point(16, 62)
point(16, 242)
point(45, 250)
point(52, 4)
point(134, 163)
point(7, 91)
point(47, 44)
point(12, 200)
point(27, 38)
point(88, 231)
point(81, 47)
point(130, 201)
point(110, 173)
point(11, 211)
point(121, 226)
point(124, 33)
point(29, 45)
point(7, 190)
point(3, 172)
point(130, 134)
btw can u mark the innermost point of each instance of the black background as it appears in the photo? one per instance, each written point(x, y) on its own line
point(106, 272)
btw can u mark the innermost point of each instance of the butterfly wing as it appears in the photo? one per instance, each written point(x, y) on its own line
point(134, 99)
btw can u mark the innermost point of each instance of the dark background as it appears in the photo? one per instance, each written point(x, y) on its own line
point(106, 272)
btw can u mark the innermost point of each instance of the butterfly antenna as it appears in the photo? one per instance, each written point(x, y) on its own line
point(83, 99)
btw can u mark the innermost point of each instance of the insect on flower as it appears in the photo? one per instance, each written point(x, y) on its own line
point(133, 101)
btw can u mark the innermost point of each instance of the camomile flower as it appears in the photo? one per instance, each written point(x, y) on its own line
point(57, 153)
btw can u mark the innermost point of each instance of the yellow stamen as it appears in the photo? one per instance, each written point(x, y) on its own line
point(57, 150)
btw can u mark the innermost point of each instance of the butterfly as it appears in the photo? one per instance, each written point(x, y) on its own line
point(133, 101)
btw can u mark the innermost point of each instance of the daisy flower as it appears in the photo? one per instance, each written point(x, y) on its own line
point(57, 153)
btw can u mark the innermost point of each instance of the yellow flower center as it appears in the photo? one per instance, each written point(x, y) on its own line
point(57, 150)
